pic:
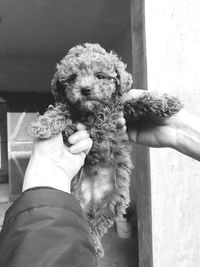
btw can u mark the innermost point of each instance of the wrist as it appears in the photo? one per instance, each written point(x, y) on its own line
point(178, 125)
point(41, 172)
point(187, 134)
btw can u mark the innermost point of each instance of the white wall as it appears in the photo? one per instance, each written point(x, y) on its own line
point(173, 57)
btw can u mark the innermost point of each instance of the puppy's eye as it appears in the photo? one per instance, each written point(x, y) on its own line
point(72, 78)
point(101, 76)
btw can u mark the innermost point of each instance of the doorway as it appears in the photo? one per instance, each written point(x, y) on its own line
point(34, 36)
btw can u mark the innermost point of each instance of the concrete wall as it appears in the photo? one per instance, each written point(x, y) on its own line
point(173, 56)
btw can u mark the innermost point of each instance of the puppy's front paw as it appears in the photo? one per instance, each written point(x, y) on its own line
point(172, 105)
point(41, 129)
point(152, 105)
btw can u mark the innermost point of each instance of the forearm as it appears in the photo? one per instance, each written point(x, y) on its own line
point(45, 227)
point(188, 134)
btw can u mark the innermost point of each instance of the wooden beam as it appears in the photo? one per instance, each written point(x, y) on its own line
point(143, 183)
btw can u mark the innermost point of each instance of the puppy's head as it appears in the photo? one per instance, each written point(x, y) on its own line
point(88, 75)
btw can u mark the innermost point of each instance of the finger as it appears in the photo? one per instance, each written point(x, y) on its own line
point(133, 93)
point(132, 134)
point(82, 146)
point(121, 122)
point(121, 114)
point(80, 126)
point(89, 146)
point(78, 136)
point(124, 129)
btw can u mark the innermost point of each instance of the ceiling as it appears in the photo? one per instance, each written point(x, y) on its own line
point(46, 29)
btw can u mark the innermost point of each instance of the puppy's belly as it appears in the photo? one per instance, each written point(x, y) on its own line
point(95, 187)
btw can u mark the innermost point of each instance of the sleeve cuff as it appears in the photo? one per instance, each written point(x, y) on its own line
point(43, 196)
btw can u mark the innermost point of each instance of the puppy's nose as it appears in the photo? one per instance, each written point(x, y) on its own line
point(85, 91)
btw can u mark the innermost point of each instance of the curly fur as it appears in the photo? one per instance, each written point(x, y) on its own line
point(87, 88)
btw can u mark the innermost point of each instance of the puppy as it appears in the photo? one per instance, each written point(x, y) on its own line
point(88, 87)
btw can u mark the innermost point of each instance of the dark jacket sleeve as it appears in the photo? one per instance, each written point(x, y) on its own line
point(46, 228)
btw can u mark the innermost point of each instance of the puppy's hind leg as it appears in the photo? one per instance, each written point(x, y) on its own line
point(52, 122)
point(123, 174)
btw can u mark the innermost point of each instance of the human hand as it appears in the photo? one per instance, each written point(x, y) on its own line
point(53, 164)
point(153, 132)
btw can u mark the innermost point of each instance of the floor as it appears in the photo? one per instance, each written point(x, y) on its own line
point(119, 252)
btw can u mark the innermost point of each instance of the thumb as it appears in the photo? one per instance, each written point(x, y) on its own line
point(132, 134)
point(132, 94)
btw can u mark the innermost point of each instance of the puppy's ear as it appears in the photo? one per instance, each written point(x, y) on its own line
point(124, 81)
point(57, 89)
